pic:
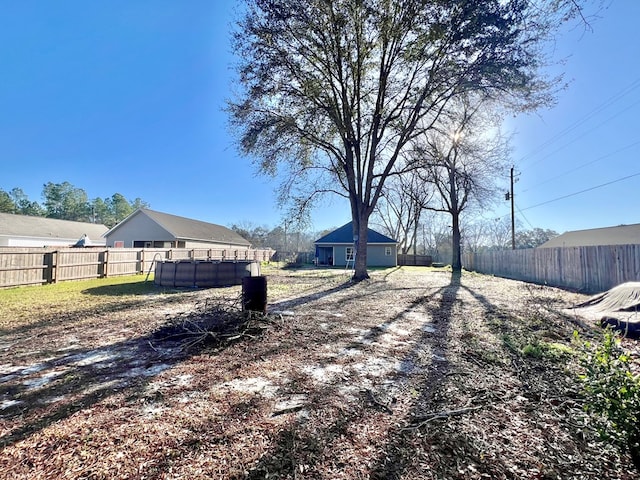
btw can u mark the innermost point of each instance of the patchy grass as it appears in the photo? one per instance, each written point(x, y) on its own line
point(23, 305)
point(298, 283)
point(553, 351)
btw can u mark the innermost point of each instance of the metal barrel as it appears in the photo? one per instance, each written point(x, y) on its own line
point(254, 294)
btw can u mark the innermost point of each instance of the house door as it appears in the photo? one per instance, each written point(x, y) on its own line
point(325, 255)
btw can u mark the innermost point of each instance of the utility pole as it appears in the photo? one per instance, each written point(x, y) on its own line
point(509, 196)
point(513, 217)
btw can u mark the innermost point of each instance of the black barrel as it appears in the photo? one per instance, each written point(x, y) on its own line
point(254, 294)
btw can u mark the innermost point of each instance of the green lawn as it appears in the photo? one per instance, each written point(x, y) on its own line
point(21, 305)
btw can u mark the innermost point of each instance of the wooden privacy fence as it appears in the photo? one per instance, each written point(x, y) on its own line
point(417, 260)
point(585, 269)
point(33, 266)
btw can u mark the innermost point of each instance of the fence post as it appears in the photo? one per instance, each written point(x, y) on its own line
point(47, 262)
point(106, 264)
point(54, 264)
point(140, 262)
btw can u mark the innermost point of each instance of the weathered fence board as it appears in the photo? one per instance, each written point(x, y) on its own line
point(585, 269)
point(79, 264)
point(28, 269)
point(417, 260)
point(33, 266)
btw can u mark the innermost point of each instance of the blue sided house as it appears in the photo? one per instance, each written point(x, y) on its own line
point(337, 248)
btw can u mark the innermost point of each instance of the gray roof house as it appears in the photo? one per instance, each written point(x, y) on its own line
point(28, 231)
point(620, 235)
point(337, 248)
point(146, 228)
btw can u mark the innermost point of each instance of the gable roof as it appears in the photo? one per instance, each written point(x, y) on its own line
point(43, 227)
point(187, 228)
point(620, 235)
point(344, 234)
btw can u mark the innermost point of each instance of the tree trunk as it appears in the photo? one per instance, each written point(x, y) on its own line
point(416, 221)
point(454, 209)
point(360, 224)
point(360, 271)
point(456, 257)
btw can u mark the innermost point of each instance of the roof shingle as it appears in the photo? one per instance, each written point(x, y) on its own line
point(620, 235)
point(189, 229)
point(344, 234)
point(43, 227)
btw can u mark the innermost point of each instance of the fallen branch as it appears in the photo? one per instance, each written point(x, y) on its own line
point(375, 401)
point(212, 325)
point(422, 421)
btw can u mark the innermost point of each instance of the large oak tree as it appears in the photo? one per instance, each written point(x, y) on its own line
point(335, 90)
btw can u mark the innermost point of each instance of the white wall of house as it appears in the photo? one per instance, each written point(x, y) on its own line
point(16, 241)
point(139, 229)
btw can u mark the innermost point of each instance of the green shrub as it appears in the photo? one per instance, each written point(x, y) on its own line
point(612, 393)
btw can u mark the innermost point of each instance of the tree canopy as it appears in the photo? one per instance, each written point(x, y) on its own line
point(336, 91)
point(462, 159)
point(64, 201)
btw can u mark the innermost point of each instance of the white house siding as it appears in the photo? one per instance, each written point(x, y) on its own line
point(36, 242)
point(44, 242)
point(140, 228)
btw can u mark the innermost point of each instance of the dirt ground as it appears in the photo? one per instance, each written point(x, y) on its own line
point(413, 374)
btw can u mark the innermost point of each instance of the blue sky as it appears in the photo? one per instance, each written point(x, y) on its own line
point(128, 96)
point(592, 135)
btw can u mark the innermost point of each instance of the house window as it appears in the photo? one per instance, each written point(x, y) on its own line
point(349, 254)
point(118, 244)
point(387, 251)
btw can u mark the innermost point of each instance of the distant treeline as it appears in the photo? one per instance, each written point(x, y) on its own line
point(67, 202)
point(280, 238)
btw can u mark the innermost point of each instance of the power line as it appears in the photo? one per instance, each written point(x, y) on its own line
point(582, 191)
point(562, 134)
point(523, 216)
point(584, 134)
point(583, 165)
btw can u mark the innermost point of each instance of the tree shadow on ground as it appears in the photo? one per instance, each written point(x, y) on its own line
point(142, 288)
point(49, 323)
point(301, 300)
point(539, 388)
point(419, 443)
point(297, 450)
point(296, 446)
point(398, 453)
point(41, 393)
point(37, 395)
